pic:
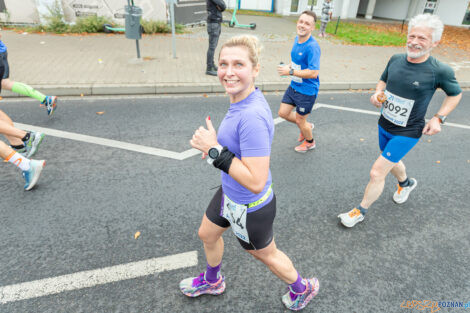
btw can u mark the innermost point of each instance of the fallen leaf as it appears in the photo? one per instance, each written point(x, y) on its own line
point(81, 95)
point(468, 161)
point(149, 58)
point(429, 140)
point(137, 235)
point(438, 162)
point(100, 113)
point(331, 98)
point(362, 139)
point(205, 95)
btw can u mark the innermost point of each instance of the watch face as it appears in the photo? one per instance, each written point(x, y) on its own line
point(213, 153)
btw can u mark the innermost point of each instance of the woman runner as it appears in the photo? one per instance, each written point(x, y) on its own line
point(246, 201)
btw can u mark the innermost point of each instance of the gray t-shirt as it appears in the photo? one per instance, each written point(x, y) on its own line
point(410, 87)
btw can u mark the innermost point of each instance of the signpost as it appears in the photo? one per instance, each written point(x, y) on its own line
point(172, 3)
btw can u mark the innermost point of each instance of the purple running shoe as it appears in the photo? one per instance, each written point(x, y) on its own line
point(196, 286)
point(297, 301)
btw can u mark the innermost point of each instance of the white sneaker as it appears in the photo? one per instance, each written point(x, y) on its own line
point(402, 193)
point(351, 218)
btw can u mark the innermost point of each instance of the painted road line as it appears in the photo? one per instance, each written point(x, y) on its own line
point(102, 141)
point(87, 279)
point(171, 154)
point(335, 107)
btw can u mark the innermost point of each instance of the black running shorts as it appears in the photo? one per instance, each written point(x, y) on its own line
point(259, 223)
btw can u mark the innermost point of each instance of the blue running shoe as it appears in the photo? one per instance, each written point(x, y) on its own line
point(196, 286)
point(32, 144)
point(31, 176)
point(51, 103)
point(297, 301)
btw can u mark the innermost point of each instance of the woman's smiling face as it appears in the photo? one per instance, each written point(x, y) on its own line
point(236, 72)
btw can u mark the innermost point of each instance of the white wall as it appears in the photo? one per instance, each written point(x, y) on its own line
point(23, 11)
point(452, 12)
point(151, 9)
point(261, 5)
point(394, 9)
point(26, 11)
point(352, 10)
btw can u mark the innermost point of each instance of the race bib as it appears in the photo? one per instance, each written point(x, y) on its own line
point(236, 214)
point(397, 109)
point(295, 78)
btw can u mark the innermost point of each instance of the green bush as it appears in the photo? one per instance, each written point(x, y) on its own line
point(90, 24)
point(55, 19)
point(153, 27)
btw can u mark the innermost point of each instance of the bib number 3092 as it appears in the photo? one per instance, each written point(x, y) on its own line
point(397, 109)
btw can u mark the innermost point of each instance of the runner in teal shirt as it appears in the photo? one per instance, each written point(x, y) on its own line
point(406, 87)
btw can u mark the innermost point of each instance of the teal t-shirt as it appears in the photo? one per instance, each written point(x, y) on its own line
point(410, 87)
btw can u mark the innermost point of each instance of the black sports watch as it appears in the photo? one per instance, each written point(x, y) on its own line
point(442, 118)
point(214, 153)
point(291, 72)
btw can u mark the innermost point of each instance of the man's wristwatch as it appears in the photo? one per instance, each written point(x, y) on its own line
point(214, 153)
point(442, 118)
point(291, 72)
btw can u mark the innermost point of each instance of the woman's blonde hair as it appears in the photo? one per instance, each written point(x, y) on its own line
point(248, 41)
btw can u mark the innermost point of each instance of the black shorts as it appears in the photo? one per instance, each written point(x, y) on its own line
point(259, 223)
point(4, 62)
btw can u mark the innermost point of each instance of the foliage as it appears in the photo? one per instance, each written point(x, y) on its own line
point(55, 19)
point(152, 27)
point(367, 34)
point(90, 24)
point(252, 12)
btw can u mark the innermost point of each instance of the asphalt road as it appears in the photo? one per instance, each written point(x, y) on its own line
point(92, 199)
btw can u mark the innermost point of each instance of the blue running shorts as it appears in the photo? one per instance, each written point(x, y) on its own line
point(394, 147)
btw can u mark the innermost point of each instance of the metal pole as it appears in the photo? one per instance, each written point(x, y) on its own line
point(138, 49)
point(403, 23)
point(337, 23)
point(172, 13)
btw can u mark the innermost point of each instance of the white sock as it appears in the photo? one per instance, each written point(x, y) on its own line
point(19, 160)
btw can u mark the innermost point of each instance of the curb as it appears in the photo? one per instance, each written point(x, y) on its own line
point(179, 88)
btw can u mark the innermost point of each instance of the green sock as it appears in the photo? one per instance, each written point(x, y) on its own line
point(28, 91)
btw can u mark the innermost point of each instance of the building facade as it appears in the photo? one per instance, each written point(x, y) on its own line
point(452, 12)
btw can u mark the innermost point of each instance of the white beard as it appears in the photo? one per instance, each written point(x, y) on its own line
point(417, 55)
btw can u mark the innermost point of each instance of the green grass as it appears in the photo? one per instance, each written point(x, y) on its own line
point(364, 35)
point(252, 12)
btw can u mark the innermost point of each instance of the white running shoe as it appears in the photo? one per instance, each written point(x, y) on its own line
point(351, 218)
point(401, 195)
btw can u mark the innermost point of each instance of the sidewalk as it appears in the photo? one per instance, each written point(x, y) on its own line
point(106, 64)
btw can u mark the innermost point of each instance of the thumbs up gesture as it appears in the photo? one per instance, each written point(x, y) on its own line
point(203, 139)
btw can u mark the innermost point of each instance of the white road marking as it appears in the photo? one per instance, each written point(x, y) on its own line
point(86, 279)
point(107, 142)
point(335, 107)
point(180, 156)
